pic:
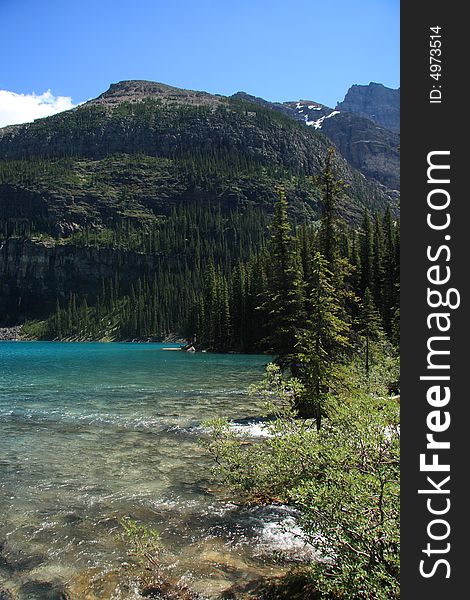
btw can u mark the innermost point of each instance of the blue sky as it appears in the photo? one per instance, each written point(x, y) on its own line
point(271, 48)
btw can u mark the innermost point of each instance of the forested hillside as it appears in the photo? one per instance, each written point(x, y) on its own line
point(148, 211)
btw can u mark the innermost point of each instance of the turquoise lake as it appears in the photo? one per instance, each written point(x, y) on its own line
point(91, 433)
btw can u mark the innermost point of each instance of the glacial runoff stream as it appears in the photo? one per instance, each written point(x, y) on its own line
point(91, 433)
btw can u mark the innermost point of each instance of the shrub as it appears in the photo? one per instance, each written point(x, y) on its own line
point(344, 479)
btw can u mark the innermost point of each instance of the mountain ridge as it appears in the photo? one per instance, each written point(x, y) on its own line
point(135, 118)
point(376, 102)
point(369, 147)
point(123, 185)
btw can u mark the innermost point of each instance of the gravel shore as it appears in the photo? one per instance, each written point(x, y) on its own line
point(10, 333)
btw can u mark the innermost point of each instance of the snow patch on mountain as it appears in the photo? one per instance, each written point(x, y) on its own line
point(304, 110)
point(318, 123)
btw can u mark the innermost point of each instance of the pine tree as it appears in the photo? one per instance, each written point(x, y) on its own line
point(326, 336)
point(370, 326)
point(209, 333)
point(377, 265)
point(285, 301)
point(331, 188)
point(256, 322)
point(306, 245)
point(238, 306)
point(390, 273)
point(223, 315)
point(355, 261)
point(366, 253)
point(57, 322)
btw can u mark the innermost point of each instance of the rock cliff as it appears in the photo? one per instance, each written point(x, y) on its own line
point(366, 146)
point(375, 102)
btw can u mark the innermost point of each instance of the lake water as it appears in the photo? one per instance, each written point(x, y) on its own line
point(91, 433)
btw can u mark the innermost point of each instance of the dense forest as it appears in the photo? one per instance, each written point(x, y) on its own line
point(151, 195)
point(249, 235)
point(222, 278)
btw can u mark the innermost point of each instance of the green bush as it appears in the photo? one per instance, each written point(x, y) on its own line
point(344, 479)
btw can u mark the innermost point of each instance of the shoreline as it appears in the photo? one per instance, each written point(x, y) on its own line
point(136, 341)
point(11, 334)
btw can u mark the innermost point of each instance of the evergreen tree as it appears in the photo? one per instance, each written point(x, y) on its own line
point(209, 331)
point(366, 253)
point(223, 315)
point(326, 336)
point(285, 301)
point(238, 306)
point(256, 301)
point(370, 327)
point(389, 270)
point(355, 261)
point(377, 266)
point(331, 189)
point(57, 322)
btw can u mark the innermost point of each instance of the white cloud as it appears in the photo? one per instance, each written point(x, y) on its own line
point(24, 108)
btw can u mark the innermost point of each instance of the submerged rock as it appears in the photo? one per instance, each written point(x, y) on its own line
point(72, 517)
point(13, 560)
point(43, 590)
point(166, 589)
point(295, 586)
point(129, 583)
point(5, 594)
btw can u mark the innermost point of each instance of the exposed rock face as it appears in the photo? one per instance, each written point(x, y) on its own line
point(138, 90)
point(370, 149)
point(9, 334)
point(366, 146)
point(34, 274)
point(375, 102)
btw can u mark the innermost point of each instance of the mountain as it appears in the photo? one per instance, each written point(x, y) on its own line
point(138, 149)
point(151, 181)
point(371, 149)
point(368, 147)
point(376, 102)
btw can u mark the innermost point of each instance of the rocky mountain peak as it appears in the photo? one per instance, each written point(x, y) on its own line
point(376, 102)
point(138, 90)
